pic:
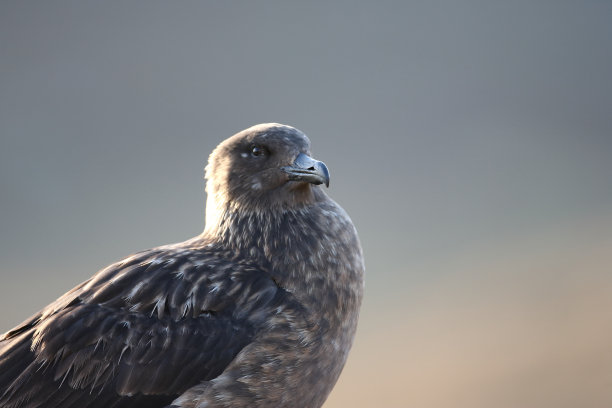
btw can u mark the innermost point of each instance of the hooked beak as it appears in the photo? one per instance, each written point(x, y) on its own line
point(307, 169)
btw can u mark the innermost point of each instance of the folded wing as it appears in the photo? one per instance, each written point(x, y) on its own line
point(138, 333)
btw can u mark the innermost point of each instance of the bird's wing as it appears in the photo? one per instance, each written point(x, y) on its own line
point(138, 333)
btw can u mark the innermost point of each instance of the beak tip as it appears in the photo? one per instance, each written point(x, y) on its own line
point(324, 172)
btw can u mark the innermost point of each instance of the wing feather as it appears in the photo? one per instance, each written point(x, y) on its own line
point(141, 331)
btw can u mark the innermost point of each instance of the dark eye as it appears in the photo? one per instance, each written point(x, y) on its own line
point(257, 151)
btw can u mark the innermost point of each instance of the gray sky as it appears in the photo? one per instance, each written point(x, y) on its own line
point(467, 139)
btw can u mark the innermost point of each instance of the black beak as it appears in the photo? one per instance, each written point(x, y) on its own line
point(307, 169)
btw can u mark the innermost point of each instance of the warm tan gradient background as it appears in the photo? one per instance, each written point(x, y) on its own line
point(471, 142)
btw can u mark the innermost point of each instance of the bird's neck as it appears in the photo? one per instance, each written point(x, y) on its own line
point(264, 232)
point(268, 235)
point(223, 208)
point(224, 213)
point(291, 243)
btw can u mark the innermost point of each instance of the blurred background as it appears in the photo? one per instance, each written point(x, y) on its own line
point(470, 141)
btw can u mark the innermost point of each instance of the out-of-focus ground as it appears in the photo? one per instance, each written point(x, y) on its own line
point(471, 143)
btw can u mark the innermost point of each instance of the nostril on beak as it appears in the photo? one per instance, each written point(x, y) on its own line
point(310, 168)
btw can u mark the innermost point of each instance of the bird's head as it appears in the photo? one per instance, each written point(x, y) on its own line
point(264, 166)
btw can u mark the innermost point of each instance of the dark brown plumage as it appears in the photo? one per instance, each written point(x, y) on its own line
point(260, 310)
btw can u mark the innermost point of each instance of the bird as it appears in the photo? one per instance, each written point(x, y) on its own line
point(259, 310)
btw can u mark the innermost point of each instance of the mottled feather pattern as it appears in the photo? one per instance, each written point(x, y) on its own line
point(164, 309)
point(260, 310)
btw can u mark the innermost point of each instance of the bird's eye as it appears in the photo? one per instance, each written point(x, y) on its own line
point(258, 151)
